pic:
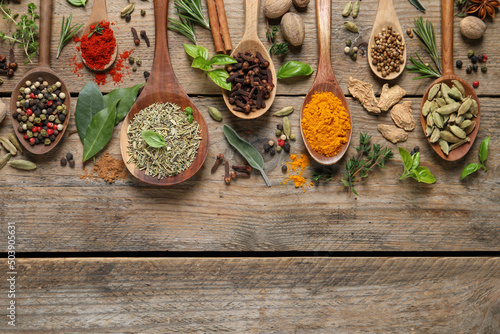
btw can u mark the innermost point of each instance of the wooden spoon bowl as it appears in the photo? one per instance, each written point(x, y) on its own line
point(43, 70)
point(386, 16)
point(251, 42)
point(325, 80)
point(99, 13)
point(162, 86)
point(448, 75)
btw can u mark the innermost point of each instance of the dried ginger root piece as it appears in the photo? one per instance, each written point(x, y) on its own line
point(390, 96)
point(364, 93)
point(392, 133)
point(402, 116)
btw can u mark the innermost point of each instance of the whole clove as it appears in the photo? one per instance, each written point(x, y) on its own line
point(251, 82)
point(218, 160)
point(227, 176)
point(145, 37)
point(137, 41)
point(2, 58)
point(242, 169)
point(239, 175)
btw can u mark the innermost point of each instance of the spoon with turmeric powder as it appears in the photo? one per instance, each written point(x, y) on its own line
point(325, 118)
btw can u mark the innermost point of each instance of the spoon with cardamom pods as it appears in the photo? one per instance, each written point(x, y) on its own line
point(444, 122)
point(40, 102)
point(386, 47)
point(94, 26)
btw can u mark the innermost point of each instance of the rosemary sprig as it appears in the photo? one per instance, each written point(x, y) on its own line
point(425, 69)
point(427, 38)
point(183, 26)
point(67, 32)
point(189, 12)
point(98, 29)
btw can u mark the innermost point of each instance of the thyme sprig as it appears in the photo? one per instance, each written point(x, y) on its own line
point(26, 34)
point(67, 32)
point(276, 48)
point(189, 12)
point(427, 38)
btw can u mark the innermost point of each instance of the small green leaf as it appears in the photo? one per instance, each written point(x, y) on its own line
point(201, 63)
point(219, 76)
point(469, 169)
point(126, 98)
point(222, 60)
point(407, 159)
point(99, 132)
point(196, 51)
point(423, 174)
point(294, 68)
point(483, 149)
point(90, 102)
point(153, 139)
point(418, 5)
point(416, 160)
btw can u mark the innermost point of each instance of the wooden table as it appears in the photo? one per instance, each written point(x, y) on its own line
point(204, 257)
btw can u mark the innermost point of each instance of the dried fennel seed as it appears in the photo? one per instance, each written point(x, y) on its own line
point(182, 139)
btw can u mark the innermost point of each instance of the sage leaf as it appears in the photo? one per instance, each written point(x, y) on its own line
point(423, 174)
point(250, 153)
point(219, 77)
point(90, 102)
point(153, 139)
point(483, 149)
point(407, 159)
point(469, 169)
point(125, 97)
point(294, 68)
point(417, 5)
point(222, 60)
point(201, 63)
point(99, 132)
point(196, 51)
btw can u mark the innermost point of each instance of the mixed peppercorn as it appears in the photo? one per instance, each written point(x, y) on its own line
point(473, 67)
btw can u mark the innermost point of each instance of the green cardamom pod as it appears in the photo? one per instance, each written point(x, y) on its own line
point(458, 132)
point(466, 104)
point(468, 115)
point(445, 147)
point(452, 118)
point(215, 114)
point(430, 120)
point(449, 108)
point(355, 9)
point(470, 128)
point(428, 130)
point(4, 159)
point(22, 164)
point(438, 120)
point(474, 109)
point(459, 119)
point(459, 85)
point(347, 9)
point(449, 137)
point(351, 26)
point(127, 10)
point(433, 92)
point(8, 145)
point(435, 135)
point(284, 112)
point(455, 94)
point(460, 143)
point(287, 127)
point(441, 102)
point(426, 108)
point(465, 124)
point(13, 139)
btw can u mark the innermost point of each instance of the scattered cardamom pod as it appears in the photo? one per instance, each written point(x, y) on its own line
point(351, 26)
point(287, 127)
point(22, 164)
point(347, 9)
point(127, 10)
point(215, 114)
point(355, 9)
point(13, 139)
point(4, 159)
point(8, 145)
point(284, 112)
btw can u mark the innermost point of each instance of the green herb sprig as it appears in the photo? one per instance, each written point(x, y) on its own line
point(67, 32)
point(189, 12)
point(412, 169)
point(276, 48)
point(427, 38)
point(98, 29)
point(26, 34)
point(483, 155)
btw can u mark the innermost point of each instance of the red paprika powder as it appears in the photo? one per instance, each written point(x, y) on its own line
point(98, 49)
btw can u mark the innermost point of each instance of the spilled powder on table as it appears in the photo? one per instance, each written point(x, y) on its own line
point(107, 168)
point(296, 169)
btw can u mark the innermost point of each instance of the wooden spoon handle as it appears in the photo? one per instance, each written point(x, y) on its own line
point(323, 18)
point(99, 9)
point(45, 32)
point(447, 35)
point(251, 19)
point(386, 9)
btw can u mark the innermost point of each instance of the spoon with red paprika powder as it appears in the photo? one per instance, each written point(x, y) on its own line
point(41, 71)
point(98, 46)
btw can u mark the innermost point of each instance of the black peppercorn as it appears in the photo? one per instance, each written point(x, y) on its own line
point(469, 69)
point(64, 162)
point(272, 151)
point(52, 138)
point(284, 168)
point(128, 17)
point(62, 117)
point(474, 67)
point(267, 147)
point(71, 163)
point(459, 64)
point(473, 59)
point(69, 156)
point(286, 147)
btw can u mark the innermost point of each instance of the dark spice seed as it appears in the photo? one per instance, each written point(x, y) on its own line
point(459, 64)
point(272, 151)
point(469, 69)
point(284, 168)
point(72, 163)
point(64, 162)
point(69, 156)
point(473, 59)
point(286, 147)
point(474, 67)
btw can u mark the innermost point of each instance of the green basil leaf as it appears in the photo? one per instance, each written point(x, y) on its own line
point(423, 174)
point(99, 132)
point(126, 98)
point(90, 102)
point(219, 76)
point(250, 153)
point(196, 51)
point(407, 159)
point(222, 60)
point(294, 68)
point(153, 139)
point(201, 63)
point(416, 160)
point(469, 169)
point(483, 149)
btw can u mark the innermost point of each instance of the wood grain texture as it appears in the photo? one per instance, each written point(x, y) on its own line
point(203, 214)
point(259, 295)
point(196, 82)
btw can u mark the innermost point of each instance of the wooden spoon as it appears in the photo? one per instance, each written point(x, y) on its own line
point(99, 14)
point(42, 70)
point(325, 79)
point(251, 42)
point(386, 16)
point(448, 75)
point(162, 86)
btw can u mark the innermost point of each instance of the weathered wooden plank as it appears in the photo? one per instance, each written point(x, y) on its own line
point(196, 82)
point(259, 295)
point(57, 211)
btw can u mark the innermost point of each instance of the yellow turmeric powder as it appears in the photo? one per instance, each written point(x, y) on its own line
point(296, 168)
point(325, 123)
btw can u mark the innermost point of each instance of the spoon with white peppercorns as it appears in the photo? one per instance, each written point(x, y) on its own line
point(386, 47)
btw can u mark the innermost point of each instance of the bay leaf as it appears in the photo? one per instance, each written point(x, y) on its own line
point(99, 132)
point(126, 98)
point(90, 102)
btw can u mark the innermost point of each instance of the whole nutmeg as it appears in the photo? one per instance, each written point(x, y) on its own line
point(301, 3)
point(472, 27)
point(275, 8)
point(293, 29)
